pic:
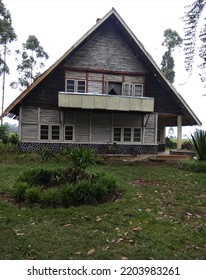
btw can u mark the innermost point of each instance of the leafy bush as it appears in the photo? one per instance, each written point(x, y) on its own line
point(170, 144)
point(33, 195)
point(67, 196)
point(199, 141)
point(19, 191)
point(81, 158)
point(188, 145)
point(50, 198)
point(193, 166)
point(42, 177)
point(47, 154)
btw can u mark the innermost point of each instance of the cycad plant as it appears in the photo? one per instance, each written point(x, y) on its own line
point(199, 141)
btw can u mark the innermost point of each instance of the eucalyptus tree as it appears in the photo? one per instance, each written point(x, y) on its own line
point(7, 35)
point(195, 37)
point(30, 63)
point(171, 41)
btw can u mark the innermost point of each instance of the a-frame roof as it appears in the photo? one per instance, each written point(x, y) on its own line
point(134, 43)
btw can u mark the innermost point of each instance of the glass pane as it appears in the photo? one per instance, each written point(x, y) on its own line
point(126, 89)
point(81, 86)
point(70, 85)
point(68, 133)
point(138, 90)
point(137, 134)
point(127, 134)
point(44, 132)
point(117, 134)
point(55, 132)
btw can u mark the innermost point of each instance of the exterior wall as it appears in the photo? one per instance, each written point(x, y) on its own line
point(150, 128)
point(106, 50)
point(95, 127)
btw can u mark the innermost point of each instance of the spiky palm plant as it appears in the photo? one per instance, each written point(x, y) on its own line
point(199, 141)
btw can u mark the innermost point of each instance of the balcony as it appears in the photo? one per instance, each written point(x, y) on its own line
point(105, 102)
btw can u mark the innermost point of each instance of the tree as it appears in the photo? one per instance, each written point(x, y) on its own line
point(171, 41)
point(7, 35)
point(194, 29)
point(31, 62)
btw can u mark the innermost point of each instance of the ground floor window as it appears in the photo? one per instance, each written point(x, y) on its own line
point(127, 134)
point(68, 133)
point(49, 132)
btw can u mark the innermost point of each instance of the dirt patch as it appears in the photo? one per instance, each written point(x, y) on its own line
point(145, 182)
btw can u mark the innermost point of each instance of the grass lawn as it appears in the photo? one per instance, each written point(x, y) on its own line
point(160, 215)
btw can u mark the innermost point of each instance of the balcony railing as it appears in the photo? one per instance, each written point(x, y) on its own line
point(105, 102)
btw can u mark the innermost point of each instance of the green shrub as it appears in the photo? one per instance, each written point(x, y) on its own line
point(51, 198)
point(42, 177)
point(188, 145)
point(33, 195)
point(199, 141)
point(81, 158)
point(193, 166)
point(47, 154)
point(170, 144)
point(67, 196)
point(18, 191)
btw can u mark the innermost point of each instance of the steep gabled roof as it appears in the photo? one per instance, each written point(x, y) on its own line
point(137, 47)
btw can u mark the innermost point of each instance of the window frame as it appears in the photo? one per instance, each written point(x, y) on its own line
point(49, 126)
point(131, 89)
point(65, 140)
point(132, 134)
point(76, 86)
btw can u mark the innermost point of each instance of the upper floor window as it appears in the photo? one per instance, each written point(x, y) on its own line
point(131, 89)
point(75, 86)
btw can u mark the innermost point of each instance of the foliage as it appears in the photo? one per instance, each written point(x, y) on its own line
point(81, 158)
point(199, 141)
point(40, 176)
point(193, 166)
point(50, 198)
point(33, 195)
point(193, 29)
point(170, 144)
point(188, 145)
point(7, 35)
point(113, 148)
point(31, 62)
point(18, 192)
point(3, 131)
point(171, 41)
point(47, 154)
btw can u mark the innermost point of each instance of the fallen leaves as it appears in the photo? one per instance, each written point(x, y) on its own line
point(90, 252)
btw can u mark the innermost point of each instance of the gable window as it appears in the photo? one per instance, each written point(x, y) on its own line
point(130, 89)
point(44, 132)
point(75, 86)
point(127, 134)
point(68, 133)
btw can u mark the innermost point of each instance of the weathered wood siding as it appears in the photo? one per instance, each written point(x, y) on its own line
point(101, 130)
point(29, 124)
point(127, 120)
point(50, 116)
point(150, 129)
point(82, 126)
point(106, 50)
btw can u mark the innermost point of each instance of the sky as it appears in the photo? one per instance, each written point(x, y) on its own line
point(58, 24)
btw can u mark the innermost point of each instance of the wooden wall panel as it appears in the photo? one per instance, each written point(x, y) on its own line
point(150, 129)
point(82, 127)
point(127, 120)
point(50, 116)
point(29, 132)
point(106, 50)
point(101, 127)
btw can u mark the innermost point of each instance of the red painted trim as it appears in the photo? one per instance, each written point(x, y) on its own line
point(104, 71)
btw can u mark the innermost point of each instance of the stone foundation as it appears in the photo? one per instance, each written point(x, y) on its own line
point(98, 148)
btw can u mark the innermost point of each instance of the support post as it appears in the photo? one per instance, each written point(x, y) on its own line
point(179, 132)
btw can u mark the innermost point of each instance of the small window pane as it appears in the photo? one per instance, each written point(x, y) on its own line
point(127, 134)
point(126, 89)
point(70, 85)
point(137, 134)
point(44, 132)
point(137, 90)
point(81, 86)
point(55, 132)
point(68, 133)
point(117, 134)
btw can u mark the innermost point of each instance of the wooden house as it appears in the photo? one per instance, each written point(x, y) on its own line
point(106, 91)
